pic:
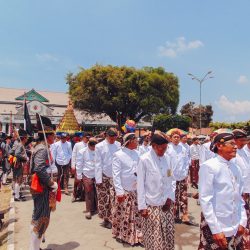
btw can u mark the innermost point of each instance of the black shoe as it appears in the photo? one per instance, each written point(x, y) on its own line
point(189, 223)
point(17, 199)
point(107, 224)
point(177, 220)
point(119, 240)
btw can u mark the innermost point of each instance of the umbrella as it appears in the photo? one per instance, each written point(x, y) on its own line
point(181, 132)
point(223, 130)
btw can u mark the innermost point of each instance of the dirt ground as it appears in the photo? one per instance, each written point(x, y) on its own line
point(5, 195)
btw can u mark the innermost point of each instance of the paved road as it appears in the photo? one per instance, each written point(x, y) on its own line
point(69, 230)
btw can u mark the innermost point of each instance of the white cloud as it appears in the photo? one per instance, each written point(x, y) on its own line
point(234, 108)
point(242, 80)
point(173, 49)
point(46, 57)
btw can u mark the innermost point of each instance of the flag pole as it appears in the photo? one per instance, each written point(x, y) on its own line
point(24, 120)
point(45, 139)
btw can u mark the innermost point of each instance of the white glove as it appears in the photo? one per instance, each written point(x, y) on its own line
point(54, 187)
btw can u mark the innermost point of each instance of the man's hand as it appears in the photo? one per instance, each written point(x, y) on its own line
point(120, 198)
point(144, 213)
point(241, 231)
point(221, 240)
point(98, 184)
point(167, 205)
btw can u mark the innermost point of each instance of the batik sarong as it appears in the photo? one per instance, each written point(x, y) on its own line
point(41, 212)
point(63, 175)
point(207, 242)
point(90, 194)
point(246, 236)
point(194, 171)
point(126, 220)
point(181, 199)
point(106, 198)
point(158, 229)
point(52, 196)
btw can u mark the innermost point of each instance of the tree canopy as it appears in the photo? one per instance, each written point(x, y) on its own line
point(131, 93)
point(234, 125)
point(194, 113)
point(165, 122)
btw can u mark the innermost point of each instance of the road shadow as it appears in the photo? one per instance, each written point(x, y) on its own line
point(6, 223)
point(66, 246)
point(4, 238)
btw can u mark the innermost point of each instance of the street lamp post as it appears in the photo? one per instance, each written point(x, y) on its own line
point(201, 80)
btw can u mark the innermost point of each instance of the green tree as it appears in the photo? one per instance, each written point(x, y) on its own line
point(235, 125)
point(193, 112)
point(131, 93)
point(164, 122)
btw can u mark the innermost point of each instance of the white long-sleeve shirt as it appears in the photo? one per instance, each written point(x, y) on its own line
point(247, 151)
point(205, 152)
point(52, 169)
point(243, 162)
point(62, 152)
point(77, 147)
point(195, 151)
point(178, 159)
point(155, 179)
point(85, 163)
point(187, 148)
point(124, 168)
point(144, 149)
point(220, 190)
point(104, 152)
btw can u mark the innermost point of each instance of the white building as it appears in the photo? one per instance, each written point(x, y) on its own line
point(46, 103)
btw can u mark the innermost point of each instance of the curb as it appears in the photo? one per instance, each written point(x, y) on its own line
point(11, 226)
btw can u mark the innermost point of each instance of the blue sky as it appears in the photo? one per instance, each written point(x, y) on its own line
point(41, 41)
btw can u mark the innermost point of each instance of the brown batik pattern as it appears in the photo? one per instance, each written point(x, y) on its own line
point(126, 220)
point(246, 236)
point(206, 238)
point(40, 226)
point(194, 171)
point(52, 197)
point(105, 197)
point(181, 199)
point(158, 229)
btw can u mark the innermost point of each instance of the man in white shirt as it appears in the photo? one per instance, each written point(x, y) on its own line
point(145, 147)
point(247, 147)
point(126, 221)
point(184, 144)
point(104, 153)
point(179, 156)
point(243, 161)
point(77, 147)
point(62, 152)
point(205, 152)
point(195, 162)
point(85, 171)
point(156, 194)
point(223, 218)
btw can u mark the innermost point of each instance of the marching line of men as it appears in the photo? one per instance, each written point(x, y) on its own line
point(140, 192)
